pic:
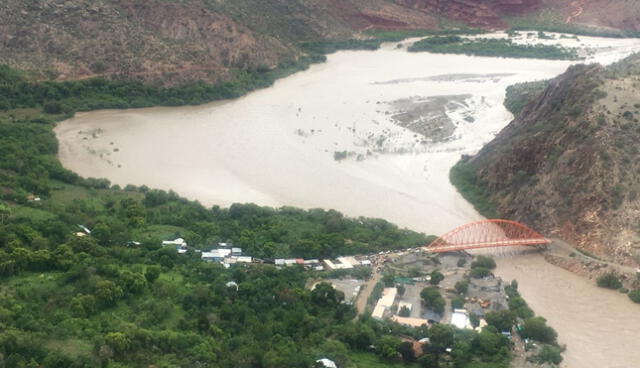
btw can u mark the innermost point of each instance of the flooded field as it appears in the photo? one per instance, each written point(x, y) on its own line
point(369, 133)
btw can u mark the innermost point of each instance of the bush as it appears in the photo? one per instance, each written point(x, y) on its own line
point(548, 354)
point(436, 277)
point(610, 281)
point(479, 272)
point(457, 302)
point(635, 296)
point(536, 328)
point(462, 286)
point(404, 311)
point(432, 299)
point(484, 261)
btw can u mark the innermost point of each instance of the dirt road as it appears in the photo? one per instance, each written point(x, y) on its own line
point(578, 9)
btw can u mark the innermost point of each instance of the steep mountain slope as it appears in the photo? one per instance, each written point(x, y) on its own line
point(174, 42)
point(568, 164)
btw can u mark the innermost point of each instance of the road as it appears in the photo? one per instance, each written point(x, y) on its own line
point(579, 8)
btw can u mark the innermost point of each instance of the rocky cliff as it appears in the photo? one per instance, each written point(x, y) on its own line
point(569, 163)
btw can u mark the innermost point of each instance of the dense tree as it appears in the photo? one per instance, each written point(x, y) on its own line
point(502, 320)
point(536, 328)
point(432, 299)
point(436, 277)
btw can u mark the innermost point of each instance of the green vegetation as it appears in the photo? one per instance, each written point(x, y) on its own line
point(463, 177)
point(634, 295)
point(536, 328)
point(492, 47)
point(502, 320)
point(399, 35)
point(610, 281)
point(436, 277)
point(484, 261)
point(432, 299)
point(462, 287)
point(520, 94)
point(548, 354)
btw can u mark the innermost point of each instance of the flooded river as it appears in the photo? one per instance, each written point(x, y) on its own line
point(369, 133)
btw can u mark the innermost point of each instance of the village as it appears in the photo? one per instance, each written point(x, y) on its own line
point(411, 286)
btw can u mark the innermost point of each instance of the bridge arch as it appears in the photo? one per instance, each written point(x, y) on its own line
point(487, 234)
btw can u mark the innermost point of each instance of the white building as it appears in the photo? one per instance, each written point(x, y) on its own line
point(460, 319)
point(176, 243)
point(327, 363)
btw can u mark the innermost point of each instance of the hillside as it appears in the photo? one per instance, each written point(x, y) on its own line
point(568, 163)
point(176, 42)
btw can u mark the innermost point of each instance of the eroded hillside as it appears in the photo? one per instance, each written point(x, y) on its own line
point(568, 164)
point(176, 42)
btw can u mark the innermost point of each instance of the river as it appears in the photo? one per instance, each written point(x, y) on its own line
point(345, 135)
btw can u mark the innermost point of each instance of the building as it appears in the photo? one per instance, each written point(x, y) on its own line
point(176, 243)
point(378, 312)
point(388, 297)
point(236, 251)
point(345, 263)
point(460, 319)
point(330, 265)
point(327, 363)
point(213, 256)
point(408, 321)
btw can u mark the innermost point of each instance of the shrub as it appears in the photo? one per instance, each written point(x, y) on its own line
point(462, 286)
point(609, 281)
point(484, 261)
point(436, 277)
point(536, 328)
point(635, 296)
point(479, 272)
point(548, 354)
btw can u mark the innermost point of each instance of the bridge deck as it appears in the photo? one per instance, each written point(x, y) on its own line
point(488, 244)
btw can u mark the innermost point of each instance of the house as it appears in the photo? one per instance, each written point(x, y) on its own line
point(344, 263)
point(236, 251)
point(213, 256)
point(224, 252)
point(365, 262)
point(244, 259)
point(279, 262)
point(326, 363)
point(290, 262)
point(177, 243)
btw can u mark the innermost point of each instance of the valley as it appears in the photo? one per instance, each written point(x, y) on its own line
point(283, 146)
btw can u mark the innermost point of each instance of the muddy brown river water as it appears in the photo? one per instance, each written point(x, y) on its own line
point(336, 136)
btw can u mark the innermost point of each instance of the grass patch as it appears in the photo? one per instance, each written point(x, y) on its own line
point(399, 35)
point(464, 178)
point(368, 360)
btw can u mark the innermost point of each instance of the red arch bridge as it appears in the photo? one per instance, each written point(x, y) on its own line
point(487, 234)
